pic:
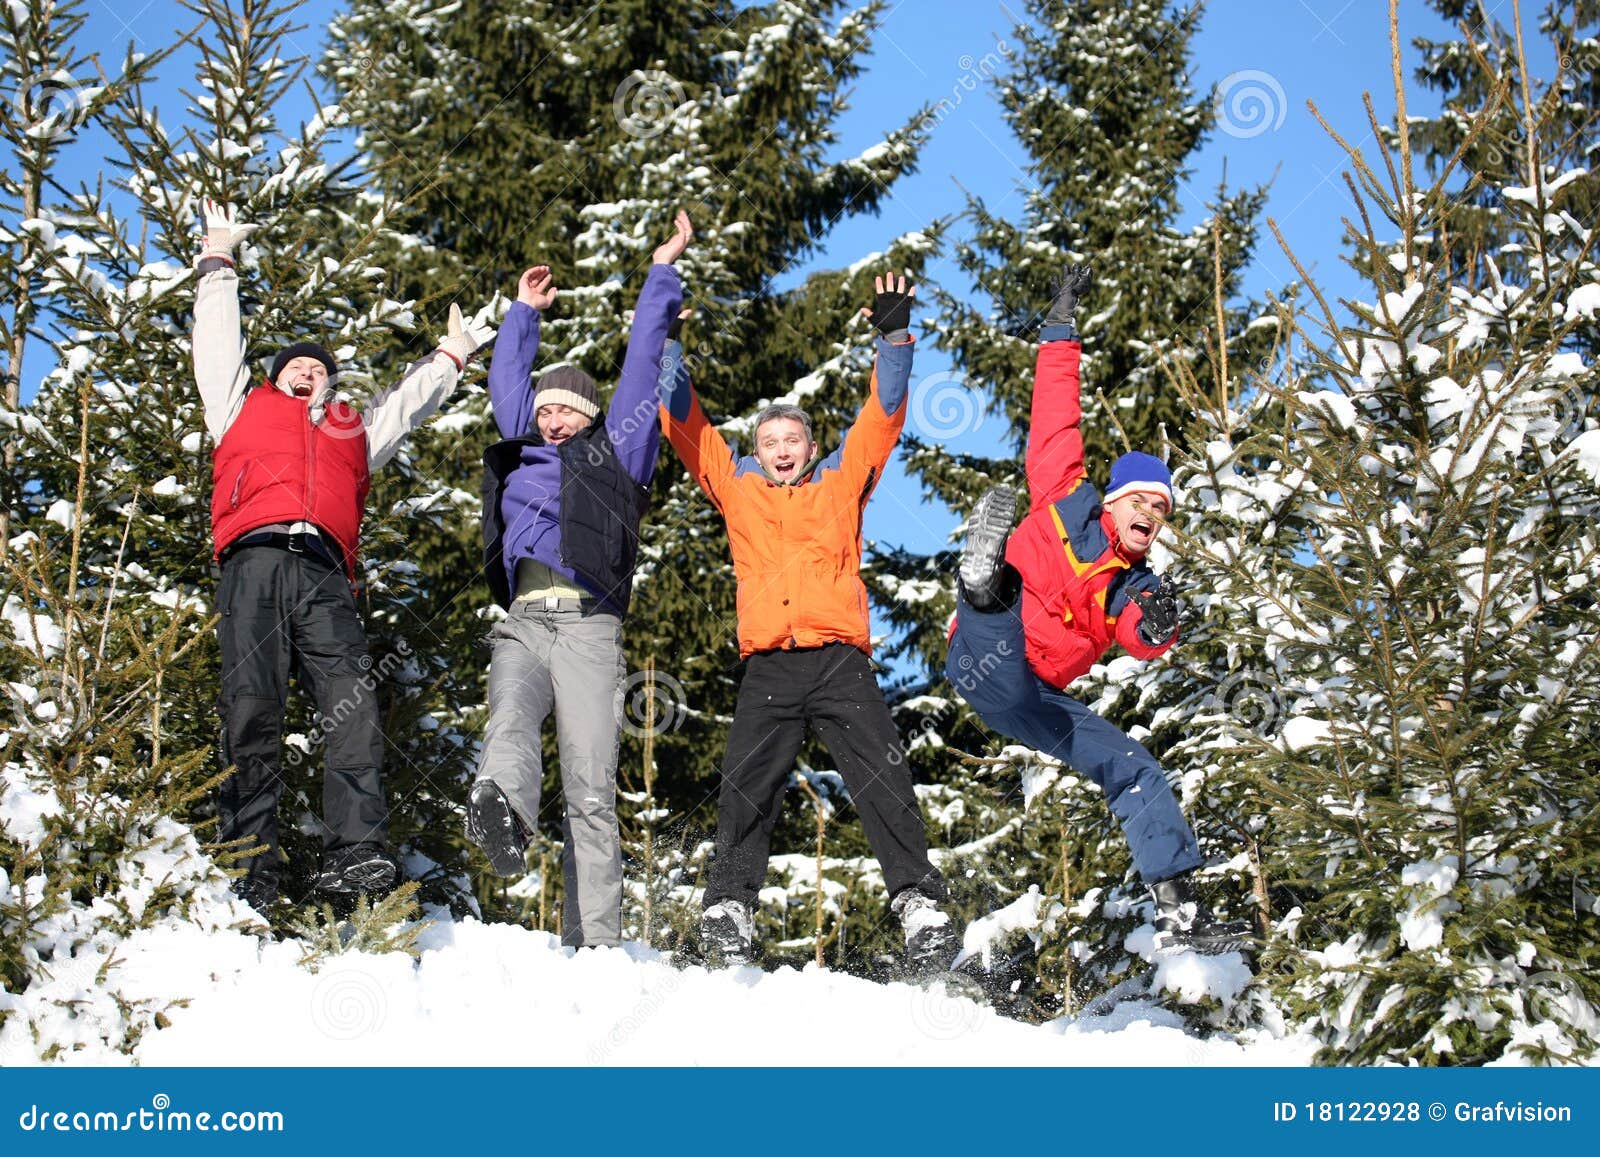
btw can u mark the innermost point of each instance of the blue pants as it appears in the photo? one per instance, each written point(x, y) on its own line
point(988, 664)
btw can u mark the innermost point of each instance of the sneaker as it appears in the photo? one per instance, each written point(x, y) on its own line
point(359, 868)
point(930, 936)
point(725, 934)
point(495, 827)
point(1182, 921)
point(983, 557)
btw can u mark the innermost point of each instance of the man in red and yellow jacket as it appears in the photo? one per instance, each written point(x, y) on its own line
point(794, 529)
point(290, 473)
point(1036, 612)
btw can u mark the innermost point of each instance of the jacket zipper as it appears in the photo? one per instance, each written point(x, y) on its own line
point(311, 466)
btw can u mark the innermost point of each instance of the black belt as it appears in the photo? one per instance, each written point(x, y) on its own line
point(299, 542)
point(557, 603)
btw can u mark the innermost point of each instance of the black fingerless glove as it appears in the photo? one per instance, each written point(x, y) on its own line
point(1158, 612)
point(675, 328)
point(891, 312)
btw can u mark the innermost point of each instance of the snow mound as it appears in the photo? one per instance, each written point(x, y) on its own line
point(498, 994)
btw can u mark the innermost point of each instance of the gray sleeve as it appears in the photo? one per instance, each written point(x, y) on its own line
point(404, 406)
point(218, 347)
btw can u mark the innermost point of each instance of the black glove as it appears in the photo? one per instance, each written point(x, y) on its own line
point(675, 326)
point(891, 311)
point(1067, 287)
point(1158, 617)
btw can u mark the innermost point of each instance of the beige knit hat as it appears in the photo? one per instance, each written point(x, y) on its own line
point(567, 386)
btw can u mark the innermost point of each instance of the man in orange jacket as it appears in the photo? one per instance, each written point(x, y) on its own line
point(794, 528)
point(1037, 608)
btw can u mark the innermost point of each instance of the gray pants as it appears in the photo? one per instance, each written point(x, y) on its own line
point(569, 662)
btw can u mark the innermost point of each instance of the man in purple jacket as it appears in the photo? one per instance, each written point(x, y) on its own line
point(563, 494)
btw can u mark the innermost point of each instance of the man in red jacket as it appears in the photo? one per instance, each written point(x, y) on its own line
point(1036, 612)
point(290, 473)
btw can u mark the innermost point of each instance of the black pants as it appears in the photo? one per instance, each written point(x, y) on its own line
point(833, 689)
point(283, 612)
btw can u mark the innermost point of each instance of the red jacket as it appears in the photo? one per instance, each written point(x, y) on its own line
point(272, 465)
point(1075, 577)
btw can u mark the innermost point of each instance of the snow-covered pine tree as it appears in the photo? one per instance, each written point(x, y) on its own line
point(99, 656)
point(637, 109)
point(1463, 72)
point(1099, 96)
point(1431, 781)
point(109, 591)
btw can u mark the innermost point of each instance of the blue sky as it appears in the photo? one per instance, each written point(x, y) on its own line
point(1285, 52)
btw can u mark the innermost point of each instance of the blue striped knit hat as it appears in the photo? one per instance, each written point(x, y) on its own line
point(1135, 472)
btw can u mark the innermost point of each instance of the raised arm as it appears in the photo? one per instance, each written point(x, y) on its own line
point(631, 417)
point(392, 415)
point(1055, 435)
point(217, 342)
point(510, 369)
point(700, 444)
point(877, 427)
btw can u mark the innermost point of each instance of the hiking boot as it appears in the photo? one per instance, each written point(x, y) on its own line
point(1182, 921)
point(930, 936)
point(495, 827)
point(983, 557)
point(365, 868)
point(725, 934)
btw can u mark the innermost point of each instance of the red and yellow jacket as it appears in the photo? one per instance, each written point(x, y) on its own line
point(796, 546)
point(1076, 579)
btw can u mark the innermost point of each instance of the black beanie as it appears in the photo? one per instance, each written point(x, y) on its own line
point(302, 349)
point(567, 386)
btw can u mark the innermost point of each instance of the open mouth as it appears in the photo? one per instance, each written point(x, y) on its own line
point(1142, 526)
point(302, 391)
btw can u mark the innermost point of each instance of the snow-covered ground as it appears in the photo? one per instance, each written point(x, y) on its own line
point(496, 994)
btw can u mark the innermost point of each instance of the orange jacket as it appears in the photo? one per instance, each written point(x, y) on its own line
point(796, 546)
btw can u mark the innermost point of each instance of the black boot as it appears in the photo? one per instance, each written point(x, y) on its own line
point(983, 557)
point(365, 868)
point(726, 931)
point(930, 936)
point(495, 827)
point(257, 889)
point(1182, 921)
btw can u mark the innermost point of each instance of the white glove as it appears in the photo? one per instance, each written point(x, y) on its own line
point(463, 338)
point(224, 231)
